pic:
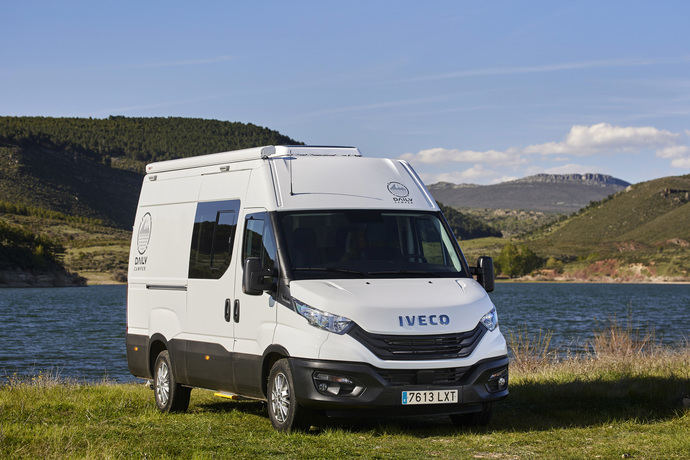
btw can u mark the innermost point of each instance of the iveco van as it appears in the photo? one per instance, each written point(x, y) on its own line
point(313, 278)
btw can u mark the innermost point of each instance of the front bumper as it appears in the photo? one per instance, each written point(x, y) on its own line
point(383, 387)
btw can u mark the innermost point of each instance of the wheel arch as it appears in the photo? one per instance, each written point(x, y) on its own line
point(272, 354)
point(157, 344)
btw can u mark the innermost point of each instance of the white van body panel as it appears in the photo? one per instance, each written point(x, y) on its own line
point(378, 305)
point(346, 182)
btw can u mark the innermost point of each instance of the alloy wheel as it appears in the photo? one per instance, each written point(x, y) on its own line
point(163, 383)
point(280, 397)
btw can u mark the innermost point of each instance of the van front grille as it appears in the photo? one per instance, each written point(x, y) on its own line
point(400, 377)
point(420, 347)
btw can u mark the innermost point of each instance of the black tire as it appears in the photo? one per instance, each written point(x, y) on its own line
point(283, 410)
point(170, 396)
point(481, 418)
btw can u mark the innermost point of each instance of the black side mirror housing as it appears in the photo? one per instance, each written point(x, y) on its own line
point(255, 279)
point(484, 271)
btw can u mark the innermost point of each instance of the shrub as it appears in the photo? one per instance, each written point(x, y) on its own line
point(518, 260)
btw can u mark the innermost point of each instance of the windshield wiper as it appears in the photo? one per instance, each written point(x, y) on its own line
point(330, 269)
point(407, 272)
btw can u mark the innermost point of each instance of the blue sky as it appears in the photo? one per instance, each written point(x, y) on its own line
point(467, 91)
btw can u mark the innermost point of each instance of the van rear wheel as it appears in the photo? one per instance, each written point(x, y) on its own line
point(283, 410)
point(170, 395)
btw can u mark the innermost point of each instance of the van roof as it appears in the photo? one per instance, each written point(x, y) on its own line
point(256, 153)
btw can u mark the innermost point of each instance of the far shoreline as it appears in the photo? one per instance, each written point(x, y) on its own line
point(498, 281)
point(599, 281)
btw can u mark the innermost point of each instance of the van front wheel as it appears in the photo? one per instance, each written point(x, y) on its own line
point(283, 410)
point(170, 395)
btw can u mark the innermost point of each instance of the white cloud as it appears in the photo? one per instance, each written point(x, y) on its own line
point(678, 154)
point(681, 163)
point(581, 140)
point(441, 155)
point(674, 151)
point(605, 138)
point(503, 179)
point(572, 168)
point(473, 173)
point(578, 65)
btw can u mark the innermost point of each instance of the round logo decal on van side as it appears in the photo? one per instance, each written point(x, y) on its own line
point(398, 189)
point(144, 233)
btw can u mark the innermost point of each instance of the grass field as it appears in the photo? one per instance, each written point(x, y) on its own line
point(596, 407)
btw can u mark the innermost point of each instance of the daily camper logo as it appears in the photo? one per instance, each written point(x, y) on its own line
point(143, 238)
point(400, 192)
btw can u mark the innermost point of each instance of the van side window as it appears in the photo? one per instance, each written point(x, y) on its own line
point(212, 238)
point(259, 240)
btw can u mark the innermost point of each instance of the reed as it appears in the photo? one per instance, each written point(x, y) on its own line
point(530, 350)
point(624, 340)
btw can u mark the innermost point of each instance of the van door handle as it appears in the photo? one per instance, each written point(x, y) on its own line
point(236, 312)
point(227, 310)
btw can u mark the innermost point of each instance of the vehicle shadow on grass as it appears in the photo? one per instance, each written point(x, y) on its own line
point(532, 406)
point(246, 407)
point(537, 406)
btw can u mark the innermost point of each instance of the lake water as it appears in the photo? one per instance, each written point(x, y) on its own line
point(80, 332)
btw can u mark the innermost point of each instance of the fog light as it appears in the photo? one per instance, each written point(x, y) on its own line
point(336, 385)
point(498, 381)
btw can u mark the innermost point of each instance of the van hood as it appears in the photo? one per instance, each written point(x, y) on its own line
point(399, 306)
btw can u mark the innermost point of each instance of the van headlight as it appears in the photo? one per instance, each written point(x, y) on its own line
point(322, 319)
point(490, 320)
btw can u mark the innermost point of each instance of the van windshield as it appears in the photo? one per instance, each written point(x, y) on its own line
point(369, 243)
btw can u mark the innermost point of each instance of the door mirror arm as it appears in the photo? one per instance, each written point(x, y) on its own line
point(484, 271)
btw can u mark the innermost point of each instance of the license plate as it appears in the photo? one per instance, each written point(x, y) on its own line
point(430, 397)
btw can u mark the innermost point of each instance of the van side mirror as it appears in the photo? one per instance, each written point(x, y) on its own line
point(484, 271)
point(255, 279)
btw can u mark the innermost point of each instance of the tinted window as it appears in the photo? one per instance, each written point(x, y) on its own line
point(259, 241)
point(212, 238)
point(358, 243)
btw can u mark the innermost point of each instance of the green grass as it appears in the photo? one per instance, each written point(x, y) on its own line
point(581, 408)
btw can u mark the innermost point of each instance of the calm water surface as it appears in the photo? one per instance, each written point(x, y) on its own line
point(80, 332)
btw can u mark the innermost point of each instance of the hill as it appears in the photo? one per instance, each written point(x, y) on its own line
point(134, 138)
point(550, 193)
point(29, 258)
point(75, 165)
point(465, 226)
point(645, 218)
point(639, 234)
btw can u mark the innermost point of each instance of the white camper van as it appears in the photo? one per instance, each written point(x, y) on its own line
point(321, 281)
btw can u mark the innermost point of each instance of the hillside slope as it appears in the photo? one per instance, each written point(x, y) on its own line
point(66, 164)
point(465, 226)
point(543, 192)
point(135, 138)
point(647, 224)
point(645, 215)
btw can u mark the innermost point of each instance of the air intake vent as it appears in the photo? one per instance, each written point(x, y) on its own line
point(420, 347)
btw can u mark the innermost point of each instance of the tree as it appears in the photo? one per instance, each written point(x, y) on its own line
point(518, 260)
